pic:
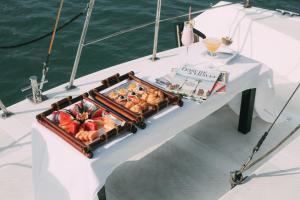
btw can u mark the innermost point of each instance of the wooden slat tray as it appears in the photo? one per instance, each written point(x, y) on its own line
point(112, 89)
point(84, 147)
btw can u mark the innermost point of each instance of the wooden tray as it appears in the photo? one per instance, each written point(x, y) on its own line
point(99, 94)
point(84, 148)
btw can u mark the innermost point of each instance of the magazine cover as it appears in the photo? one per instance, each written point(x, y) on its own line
point(191, 82)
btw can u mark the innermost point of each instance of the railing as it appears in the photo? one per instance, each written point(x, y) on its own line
point(247, 4)
point(5, 112)
point(37, 97)
point(155, 45)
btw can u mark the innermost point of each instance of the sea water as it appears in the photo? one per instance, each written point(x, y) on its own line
point(23, 20)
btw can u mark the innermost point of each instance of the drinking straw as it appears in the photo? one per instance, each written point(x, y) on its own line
point(190, 13)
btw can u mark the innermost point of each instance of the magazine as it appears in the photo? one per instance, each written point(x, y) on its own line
point(193, 82)
point(220, 86)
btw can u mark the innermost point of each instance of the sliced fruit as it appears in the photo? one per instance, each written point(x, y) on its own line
point(99, 121)
point(72, 127)
point(90, 125)
point(97, 113)
point(64, 118)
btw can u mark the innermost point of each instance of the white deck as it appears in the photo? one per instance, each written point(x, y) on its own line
point(207, 153)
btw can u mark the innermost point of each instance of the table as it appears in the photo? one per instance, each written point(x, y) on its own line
point(60, 172)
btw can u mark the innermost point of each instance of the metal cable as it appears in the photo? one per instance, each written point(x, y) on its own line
point(150, 23)
point(273, 149)
point(236, 176)
point(42, 36)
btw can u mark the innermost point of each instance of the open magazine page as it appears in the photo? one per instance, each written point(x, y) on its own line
point(220, 86)
point(193, 82)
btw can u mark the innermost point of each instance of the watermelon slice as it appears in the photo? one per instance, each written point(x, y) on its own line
point(64, 118)
point(90, 125)
point(97, 113)
point(72, 127)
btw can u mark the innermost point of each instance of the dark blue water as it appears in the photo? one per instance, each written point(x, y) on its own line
point(21, 20)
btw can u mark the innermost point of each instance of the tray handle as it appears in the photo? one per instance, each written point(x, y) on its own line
point(67, 101)
point(111, 80)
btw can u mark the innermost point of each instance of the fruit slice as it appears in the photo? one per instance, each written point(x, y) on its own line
point(64, 118)
point(97, 113)
point(72, 127)
point(99, 121)
point(90, 125)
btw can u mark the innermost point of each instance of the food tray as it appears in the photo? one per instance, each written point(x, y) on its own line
point(84, 123)
point(122, 93)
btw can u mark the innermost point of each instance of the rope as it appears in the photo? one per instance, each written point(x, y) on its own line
point(42, 36)
point(236, 176)
point(150, 23)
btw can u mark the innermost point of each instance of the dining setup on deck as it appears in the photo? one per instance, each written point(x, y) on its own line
point(92, 125)
point(57, 164)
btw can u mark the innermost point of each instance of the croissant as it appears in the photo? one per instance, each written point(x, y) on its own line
point(129, 104)
point(151, 90)
point(151, 99)
point(144, 105)
point(136, 109)
point(161, 95)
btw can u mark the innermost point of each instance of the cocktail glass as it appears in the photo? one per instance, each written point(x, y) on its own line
point(187, 37)
point(212, 45)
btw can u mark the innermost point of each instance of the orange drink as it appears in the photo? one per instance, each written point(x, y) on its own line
point(212, 45)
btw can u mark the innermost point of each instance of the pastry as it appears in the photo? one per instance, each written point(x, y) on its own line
point(129, 104)
point(122, 92)
point(144, 105)
point(140, 90)
point(121, 100)
point(151, 99)
point(113, 95)
point(151, 90)
point(144, 96)
point(135, 99)
point(136, 109)
point(161, 95)
point(132, 86)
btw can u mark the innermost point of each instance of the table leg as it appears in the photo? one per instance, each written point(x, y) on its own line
point(246, 111)
point(101, 194)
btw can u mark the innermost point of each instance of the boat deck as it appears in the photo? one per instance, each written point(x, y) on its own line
point(196, 163)
point(193, 165)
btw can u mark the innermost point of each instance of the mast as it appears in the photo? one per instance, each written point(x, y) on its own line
point(81, 44)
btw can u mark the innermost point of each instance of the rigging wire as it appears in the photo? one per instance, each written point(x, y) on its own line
point(236, 177)
point(43, 36)
point(105, 37)
point(150, 23)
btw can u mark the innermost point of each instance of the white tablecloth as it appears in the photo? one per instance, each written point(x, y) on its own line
point(60, 172)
